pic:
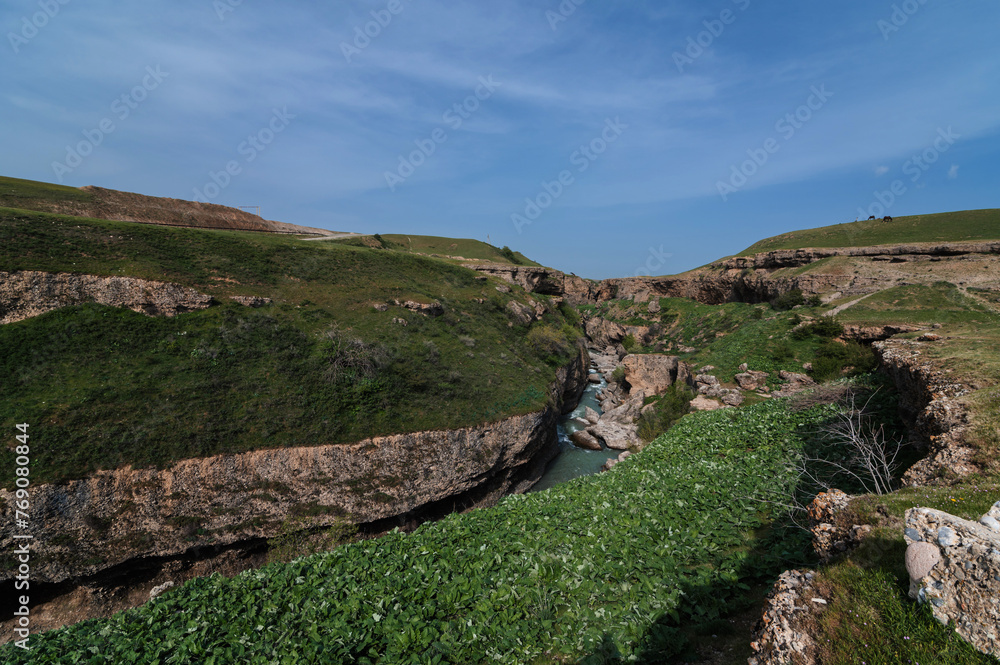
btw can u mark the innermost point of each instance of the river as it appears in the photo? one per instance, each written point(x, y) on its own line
point(572, 461)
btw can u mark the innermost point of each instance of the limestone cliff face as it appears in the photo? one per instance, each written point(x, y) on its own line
point(24, 294)
point(793, 258)
point(748, 279)
point(85, 526)
point(931, 404)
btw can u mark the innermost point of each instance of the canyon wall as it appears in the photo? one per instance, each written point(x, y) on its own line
point(84, 526)
point(744, 279)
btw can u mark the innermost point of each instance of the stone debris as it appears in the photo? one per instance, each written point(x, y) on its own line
point(779, 637)
point(427, 309)
point(259, 301)
point(954, 564)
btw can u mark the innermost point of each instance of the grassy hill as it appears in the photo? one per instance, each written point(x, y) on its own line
point(455, 250)
point(968, 225)
point(110, 387)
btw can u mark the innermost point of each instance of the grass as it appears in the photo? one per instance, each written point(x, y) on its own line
point(17, 193)
point(870, 617)
point(726, 336)
point(456, 250)
point(941, 302)
point(104, 387)
point(966, 225)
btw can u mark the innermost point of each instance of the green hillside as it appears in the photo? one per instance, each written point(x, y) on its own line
point(319, 365)
point(961, 226)
point(28, 194)
point(454, 250)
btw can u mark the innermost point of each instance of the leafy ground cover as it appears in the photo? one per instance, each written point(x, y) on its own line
point(968, 225)
point(541, 578)
point(320, 365)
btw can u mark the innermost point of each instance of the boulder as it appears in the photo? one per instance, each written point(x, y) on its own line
point(702, 403)
point(654, 307)
point(732, 397)
point(954, 565)
point(615, 435)
point(749, 380)
point(594, 377)
point(591, 416)
point(651, 373)
point(584, 439)
point(520, 314)
point(604, 333)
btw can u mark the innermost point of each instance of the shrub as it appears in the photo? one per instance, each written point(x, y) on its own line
point(547, 341)
point(618, 376)
point(509, 254)
point(788, 300)
point(670, 408)
point(833, 358)
point(630, 343)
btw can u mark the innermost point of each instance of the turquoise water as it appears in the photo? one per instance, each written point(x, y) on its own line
point(572, 461)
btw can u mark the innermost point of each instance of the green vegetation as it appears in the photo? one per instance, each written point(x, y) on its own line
point(17, 193)
point(541, 578)
point(454, 250)
point(966, 225)
point(940, 302)
point(870, 618)
point(108, 387)
point(726, 336)
point(669, 407)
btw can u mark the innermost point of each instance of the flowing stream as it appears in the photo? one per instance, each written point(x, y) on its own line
point(572, 461)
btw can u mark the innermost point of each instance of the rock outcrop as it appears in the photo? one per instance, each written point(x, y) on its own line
point(653, 373)
point(794, 258)
point(744, 279)
point(954, 565)
point(930, 402)
point(779, 638)
point(24, 294)
point(88, 525)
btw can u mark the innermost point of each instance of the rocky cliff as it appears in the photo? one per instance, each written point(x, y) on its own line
point(758, 278)
point(931, 404)
point(85, 526)
point(24, 294)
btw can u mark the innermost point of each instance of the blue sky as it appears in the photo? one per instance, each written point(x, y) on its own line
point(605, 139)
